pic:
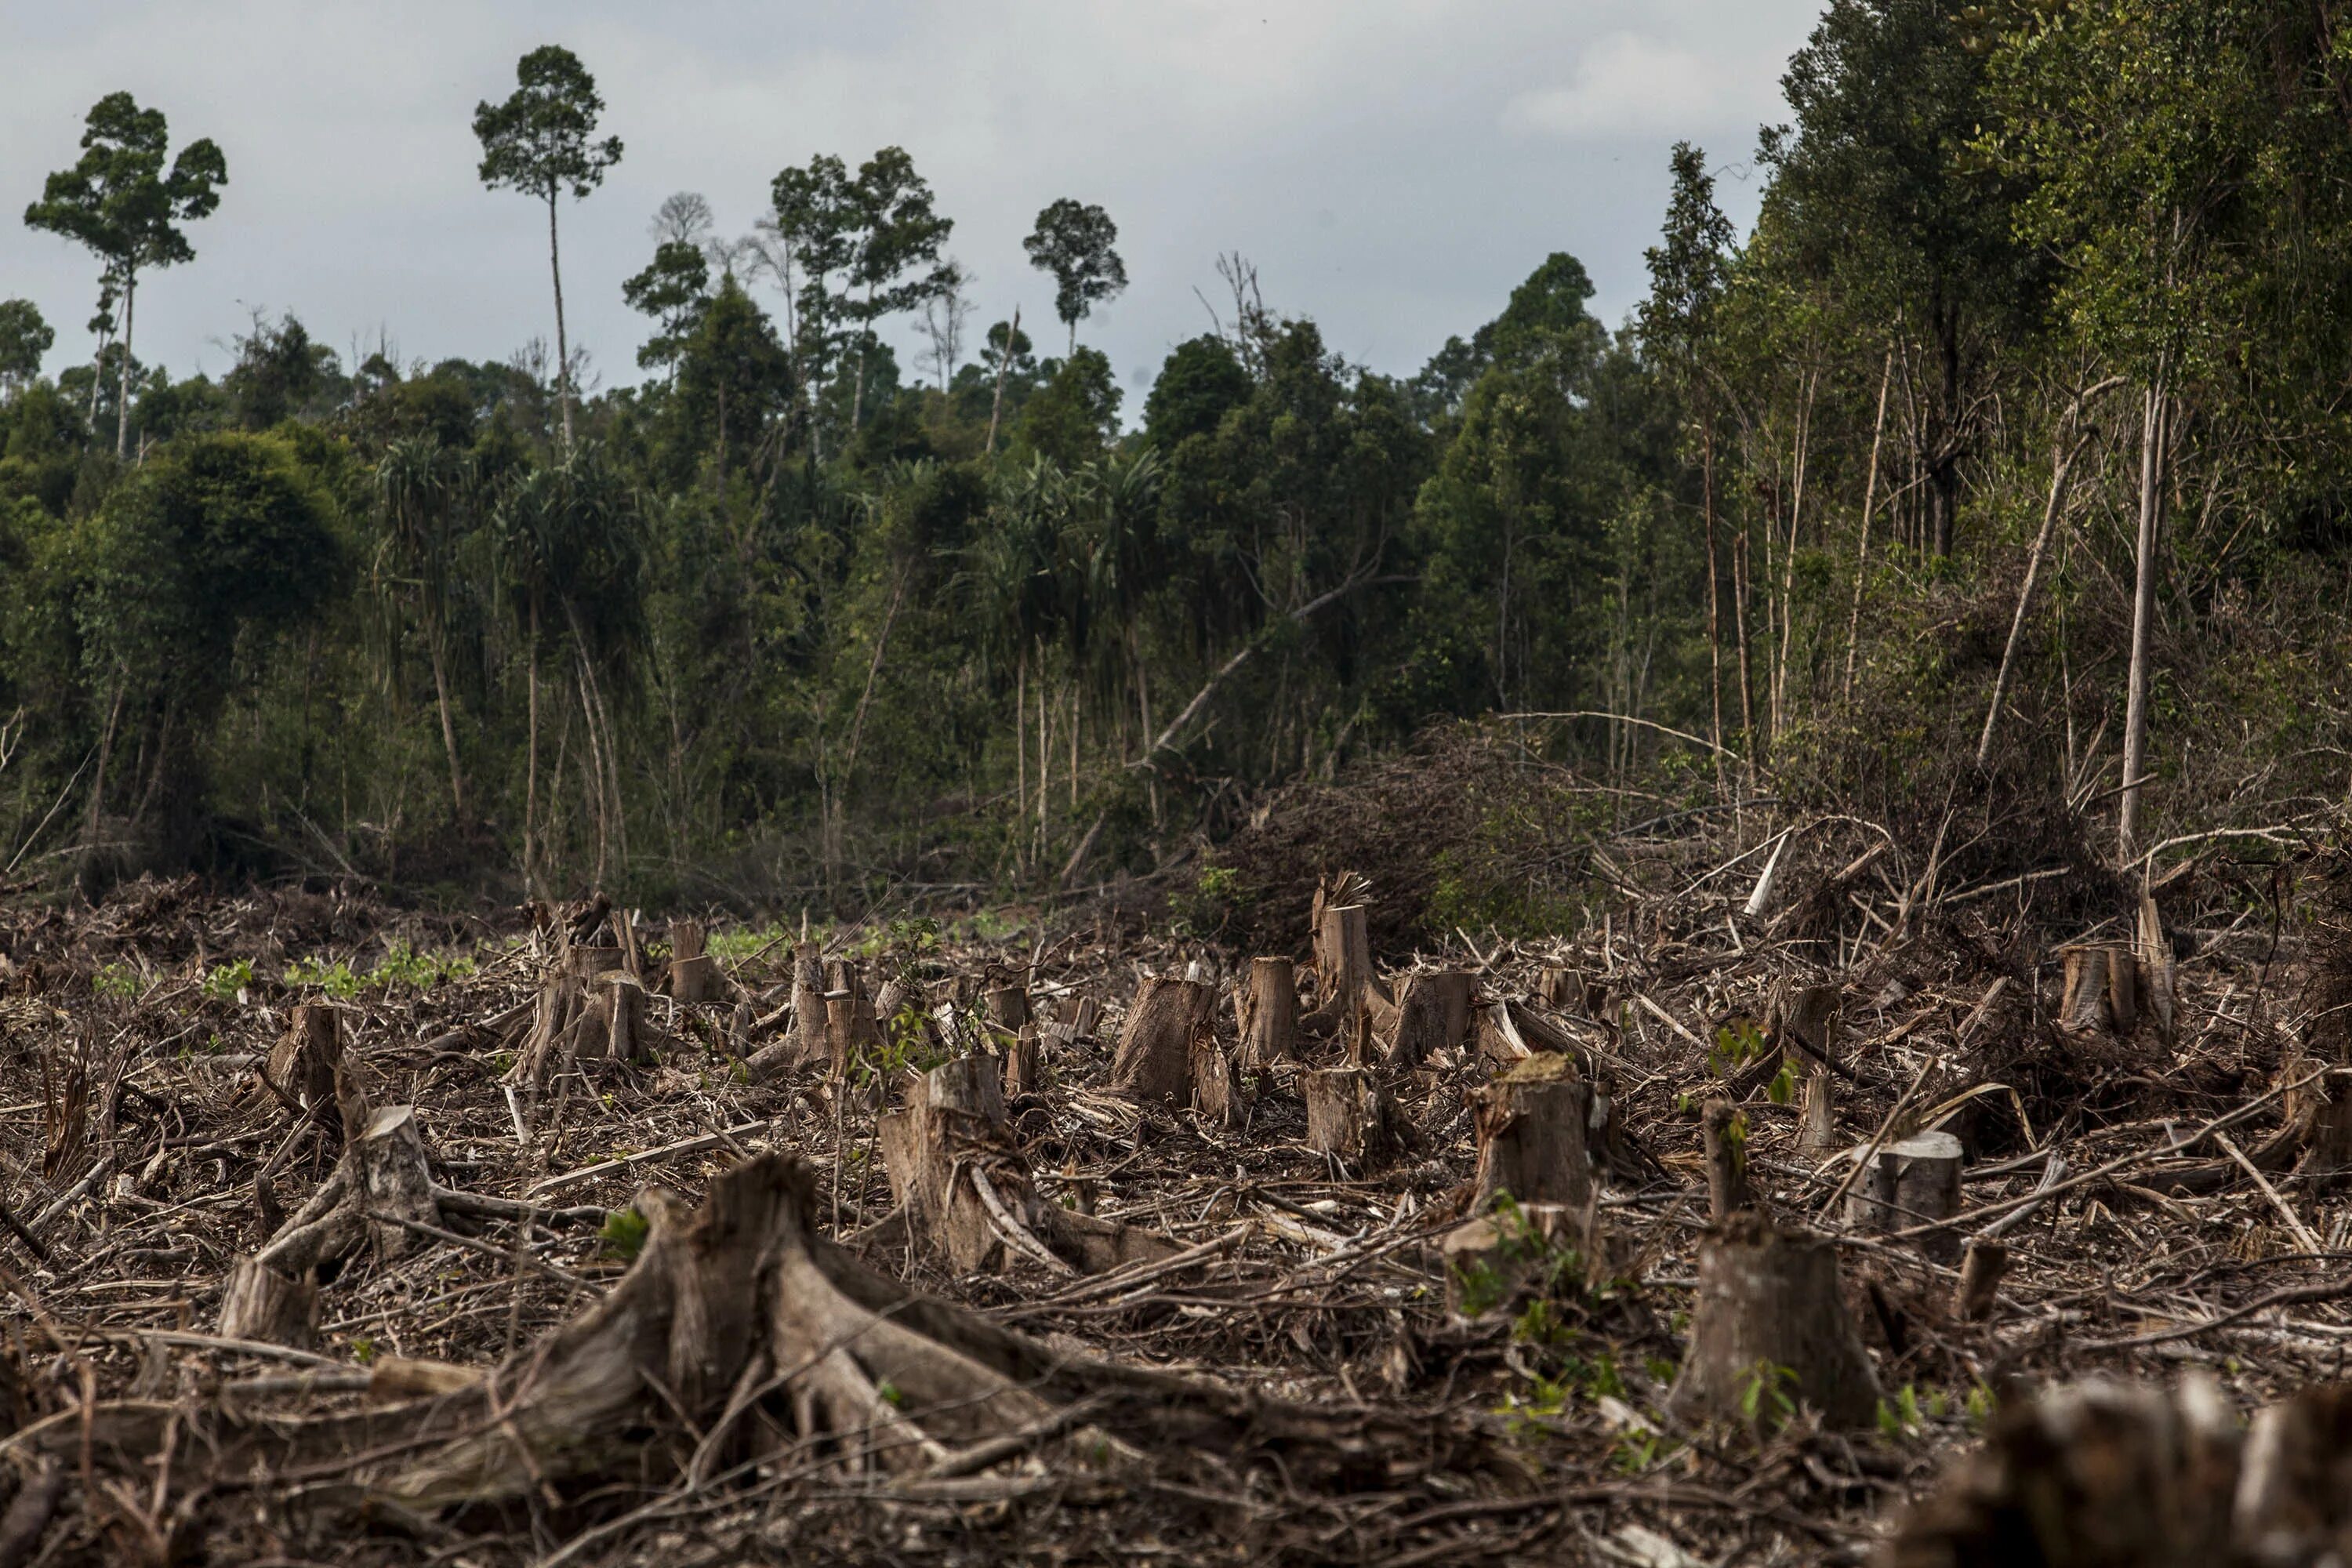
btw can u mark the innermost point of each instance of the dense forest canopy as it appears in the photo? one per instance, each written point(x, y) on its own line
point(2008, 453)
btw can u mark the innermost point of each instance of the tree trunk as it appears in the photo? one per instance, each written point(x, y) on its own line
point(1861, 550)
point(1154, 1057)
point(448, 731)
point(1770, 1308)
point(1714, 595)
point(1531, 1135)
point(1004, 364)
point(1266, 1009)
point(1349, 1115)
point(2151, 505)
point(261, 1304)
point(1913, 1182)
point(1432, 1013)
point(122, 371)
point(531, 770)
point(563, 345)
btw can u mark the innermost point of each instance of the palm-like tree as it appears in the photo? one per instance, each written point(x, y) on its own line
point(420, 486)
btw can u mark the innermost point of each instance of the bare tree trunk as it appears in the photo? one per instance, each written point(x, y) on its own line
point(531, 770)
point(123, 373)
point(1869, 502)
point(1714, 599)
point(1789, 561)
point(448, 732)
point(1003, 363)
point(562, 345)
point(2151, 503)
point(1739, 631)
point(1021, 750)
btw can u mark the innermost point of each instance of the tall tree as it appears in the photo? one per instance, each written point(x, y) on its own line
point(675, 290)
point(1074, 241)
point(896, 262)
point(24, 337)
point(1687, 269)
point(121, 203)
point(541, 142)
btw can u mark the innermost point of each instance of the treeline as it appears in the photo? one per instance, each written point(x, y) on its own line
point(2023, 398)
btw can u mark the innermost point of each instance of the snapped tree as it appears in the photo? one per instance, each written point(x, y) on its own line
point(121, 203)
point(541, 142)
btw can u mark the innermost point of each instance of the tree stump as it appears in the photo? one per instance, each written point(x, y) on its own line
point(1979, 1284)
point(1494, 1261)
point(1267, 1008)
point(693, 975)
point(1349, 1115)
point(1432, 1013)
point(1769, 1307)
point(2096, 1475)
point(1008, 1007)
point(628, 1036)
point(1345, 980)
point(1216, 1086)
point(1912, 1182)
point(850, 1028)
point(2320, 1113)
point(812, 1036)
point(956, 1173)
point(1804, 1019)
point(257, 1303)
point(2100, 989)
point(2153, 961)
point(302, 1066)
point(1724, 1133)
point(1560, 987)
point(1155, 1050)
point(1025, 1069)
point(1532, 1122)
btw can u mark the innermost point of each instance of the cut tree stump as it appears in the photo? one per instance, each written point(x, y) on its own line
point(1493, 1262)
point(1007, 1006)
point(2102, 1474)
point(1154, 1060)
point(1266, 1009)
point(1980, 1283)
point(302, 1066)
point(2319, 1114)
point(1532, 1122)
point(1724, 1135)
point(1216, 1084)
point(1024, 1068)
point(1350, 1116)
point(812, 1038)
point(1804, 1019)
point(1346, 982)
point(850, 1028)
point(2100, 988)
point(2152, 960)
point(956, 1172)
point(260, 1303)
point(1432, 1013)
point(1770, 1305)
point(1914, 1181)
point(694, 976)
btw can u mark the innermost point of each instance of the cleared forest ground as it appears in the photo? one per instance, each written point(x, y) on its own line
point(341, 1234)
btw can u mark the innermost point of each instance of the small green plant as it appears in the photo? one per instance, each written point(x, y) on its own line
point(1900, 1417)
point(335, 979)
point(623, 1234)
point(227, 982)
point(889, 1392)
point(404, 965)
point(1737, 1044)
point(363, 1350)
point(1639, 1449)
point(1979, 1408)
point(1783, 1087)
point(1767, 1396)
point(118, 980)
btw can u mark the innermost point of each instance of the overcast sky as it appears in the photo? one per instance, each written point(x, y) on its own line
point(1393, 167)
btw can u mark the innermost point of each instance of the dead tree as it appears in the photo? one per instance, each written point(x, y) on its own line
point(1531, 1135)
point(1008, 1007)
point(1432, 1013)
point(1154, 1060)
point(2101, 988)
point(1266, 1009)
point(1769, 1308)
point(958, 1175)
point(1347, 985)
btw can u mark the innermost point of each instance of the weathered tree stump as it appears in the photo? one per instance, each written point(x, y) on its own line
point(1724, 1135)
point(1432, 1013)
point(1346, 982)
point(1025, 1067)
point(956, 1173)
point(1267, 1008)
point(1007, 1006)
point(1349, 1115)
point(1804, 1019)
point(260, 1303)
point(1494, 1261)
point(1913, 1181)
point(1532, 1122)
point(2096, 1475)
point(2100, 989)
point(1154, 1060)
point(1769, 1306)
point(1560, 987)
point(1216, 1086)
point(812, 1035)
point(694, 976)
point(2319, 1112)
point(2153, 958)
point(1980, 1283)
point(850, 1028)
point(302, 1066)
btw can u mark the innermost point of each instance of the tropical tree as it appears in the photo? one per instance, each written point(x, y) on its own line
point(420, 488)
point(1073, 242)
point(24, 337)
point(541, 142)
point(121, 203)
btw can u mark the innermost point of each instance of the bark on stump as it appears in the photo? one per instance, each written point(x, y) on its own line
point(1532, 1122)
point(958, 1175)
point(1025, 1069)
point(1267, 1008)
point(693, 973)
point(260, 1303)
point(1979, 1284)
point(1350, 1116)
point(1008, 1007)
point(1769, 1306)
point(850, 1026)
point(2100, 989)
point(1432, 1013)
point(1216, 1086)
point(1912, 1182)
point(302, 1066)
point(1154, 1057)
point(1346, 982)
point(812, 1038)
